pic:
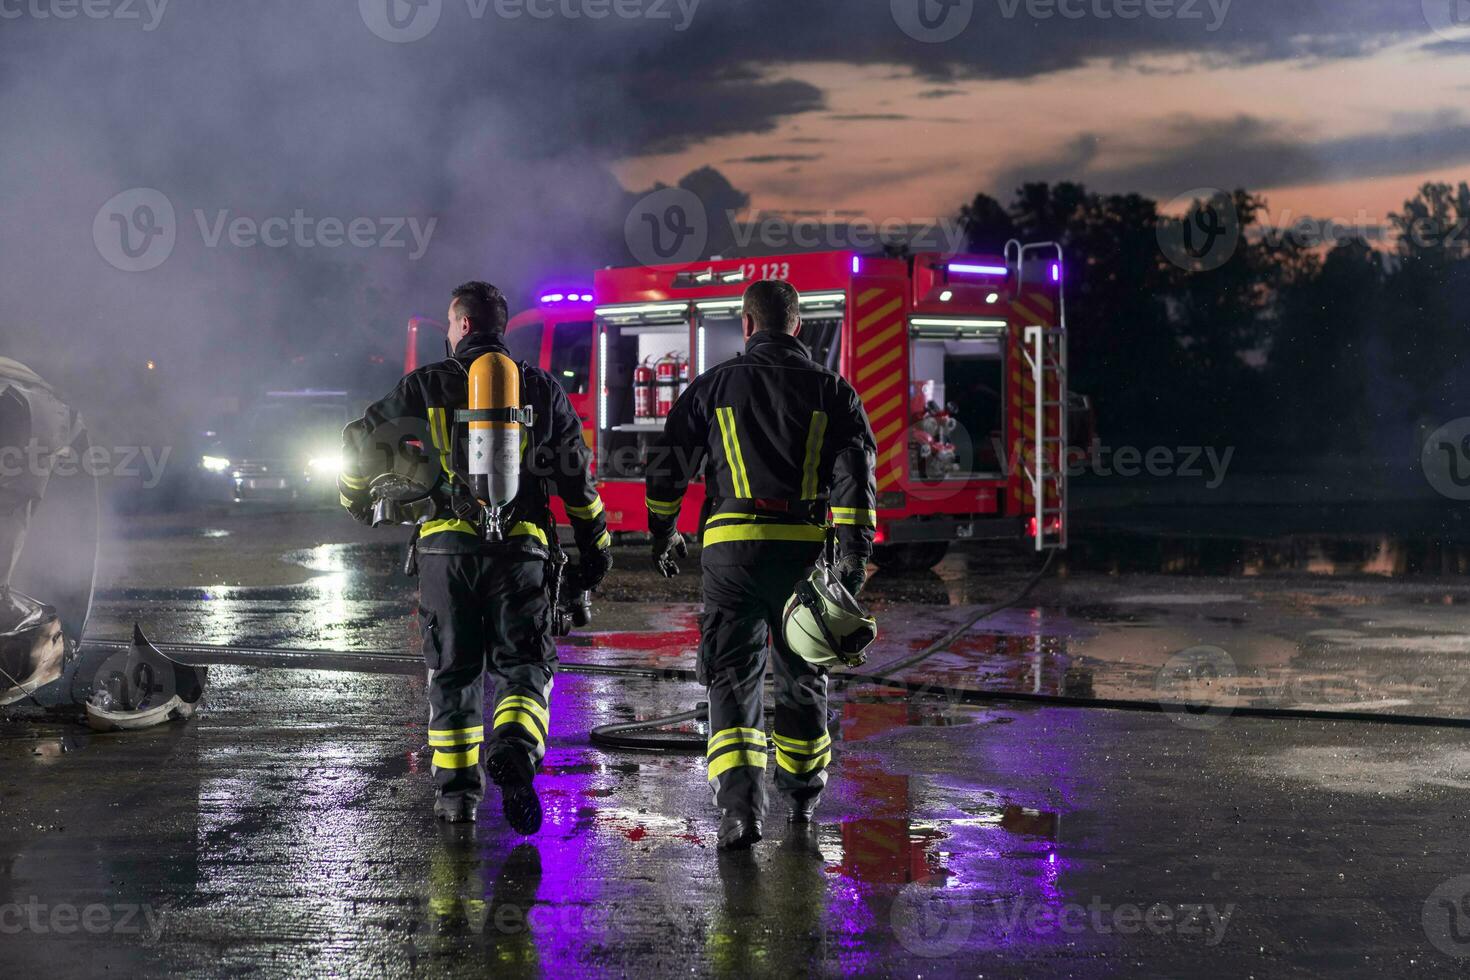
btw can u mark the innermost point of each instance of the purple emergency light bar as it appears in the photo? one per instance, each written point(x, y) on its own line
point(966, 269)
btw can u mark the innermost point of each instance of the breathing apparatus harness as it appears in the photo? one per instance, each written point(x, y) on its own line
point(398, 500)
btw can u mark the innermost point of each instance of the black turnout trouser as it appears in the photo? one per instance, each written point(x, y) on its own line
point(742, 617)
point(484, 613)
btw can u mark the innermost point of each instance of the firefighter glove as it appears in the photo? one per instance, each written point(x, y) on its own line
point(665, 549)
point(360, 510)
point(592, 568)
point(852, 572)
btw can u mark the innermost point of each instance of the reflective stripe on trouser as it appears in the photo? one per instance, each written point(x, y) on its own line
point(742, 614)
point(481, 615)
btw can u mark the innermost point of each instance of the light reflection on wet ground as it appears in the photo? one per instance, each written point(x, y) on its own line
point(287, 829)
point(1297, 640)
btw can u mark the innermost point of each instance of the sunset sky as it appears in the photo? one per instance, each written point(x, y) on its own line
point(1329, 125)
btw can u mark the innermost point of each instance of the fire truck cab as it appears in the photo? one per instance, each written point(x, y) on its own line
point(961, 362)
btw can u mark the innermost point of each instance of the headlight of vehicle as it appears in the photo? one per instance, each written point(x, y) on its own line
point(329, 464)
point(215, 464)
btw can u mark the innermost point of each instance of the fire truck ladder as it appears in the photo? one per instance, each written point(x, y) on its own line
point(1046, 354)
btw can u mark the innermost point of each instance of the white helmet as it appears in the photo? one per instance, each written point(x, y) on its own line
point(823, 624)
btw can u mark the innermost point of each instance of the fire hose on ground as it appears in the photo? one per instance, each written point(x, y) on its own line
point(641, 735)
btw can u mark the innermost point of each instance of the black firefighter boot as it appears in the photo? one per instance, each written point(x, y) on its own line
point(738, 831)
point(512, 772)
point(803, 809)
point(456, 809)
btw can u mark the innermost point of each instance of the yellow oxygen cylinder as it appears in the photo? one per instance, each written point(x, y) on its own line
point(495, 447)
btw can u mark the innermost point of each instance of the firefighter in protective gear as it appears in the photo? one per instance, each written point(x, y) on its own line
point(483, 605)
point(783, 441)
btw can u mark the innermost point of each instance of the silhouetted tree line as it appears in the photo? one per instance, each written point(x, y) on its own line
point(1291, 347)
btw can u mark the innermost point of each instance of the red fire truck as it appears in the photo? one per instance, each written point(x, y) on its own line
point(961, 362)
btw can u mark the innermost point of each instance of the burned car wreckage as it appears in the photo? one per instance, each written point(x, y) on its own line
point(49, 499)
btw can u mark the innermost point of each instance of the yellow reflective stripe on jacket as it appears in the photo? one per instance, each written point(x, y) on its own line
point(438, 527)
point(814, 438)
point(764, 532)
point(589, 512)
point(858, 516)
point(718, 518)
point(604, 540)
point(665, 508)
point(342, 499)
point(458, 760)
point(439, 432)
point(353, 482)
point(525, 529)
point(731, 440)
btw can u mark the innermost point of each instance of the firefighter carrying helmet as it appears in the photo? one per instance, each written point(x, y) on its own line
point(824, 624)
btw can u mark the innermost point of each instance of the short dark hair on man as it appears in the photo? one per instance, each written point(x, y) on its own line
point(484, 305)
point(776, 305)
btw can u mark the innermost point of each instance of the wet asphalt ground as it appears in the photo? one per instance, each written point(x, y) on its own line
point(286, 831)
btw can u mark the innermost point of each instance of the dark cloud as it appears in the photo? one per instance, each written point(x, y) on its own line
point(1184, 153)
point(941, 93)
point(764, 158)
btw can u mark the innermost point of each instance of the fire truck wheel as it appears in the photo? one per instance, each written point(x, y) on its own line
point(910, 557)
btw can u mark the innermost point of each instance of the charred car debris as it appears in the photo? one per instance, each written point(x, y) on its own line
point(46, 664)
